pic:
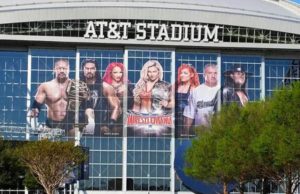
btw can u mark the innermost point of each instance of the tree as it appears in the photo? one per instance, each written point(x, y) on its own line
point(278, 145)
point(12, 173)
point(30, 182)
point(234, 151)
point(258, 141)
point(222, 152)
point(206, 157)
point(10, 168)
point(50, 162)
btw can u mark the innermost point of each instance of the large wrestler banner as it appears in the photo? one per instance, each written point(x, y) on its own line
point(106, 79)
point(196, 92)
point(52, 110)
point(150, 108)
point(90, 100)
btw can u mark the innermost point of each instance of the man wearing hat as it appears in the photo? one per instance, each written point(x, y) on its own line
point(234, 89)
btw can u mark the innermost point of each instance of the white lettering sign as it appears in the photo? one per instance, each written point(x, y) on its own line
point(140, 31)
point(151, 31)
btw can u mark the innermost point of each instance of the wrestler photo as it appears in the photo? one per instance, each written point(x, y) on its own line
point(153, 99)
point(234, 89)
point(114, 89)
point(58, 95)
point(152, 94)
point(203, 100)
point(187, 81)
point(103, 110)
point(91, 110)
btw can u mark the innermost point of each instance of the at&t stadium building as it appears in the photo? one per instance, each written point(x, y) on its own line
point(135, 153)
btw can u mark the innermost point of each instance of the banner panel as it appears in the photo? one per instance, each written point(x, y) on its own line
point(196, 92)
point(241, 79)
point(52, 110)
point(106, 77)
point(152, 100)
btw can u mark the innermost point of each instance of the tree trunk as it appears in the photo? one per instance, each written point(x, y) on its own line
point(288, 191)
point(289, 187)
point(241, 188)
point(225, 189)
point(50, 190)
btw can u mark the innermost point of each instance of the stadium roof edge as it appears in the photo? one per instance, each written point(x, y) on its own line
point(278, 15)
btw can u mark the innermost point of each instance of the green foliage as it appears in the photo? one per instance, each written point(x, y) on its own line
point(285, 106)
point(11, 170)
point(278, 146)
point(50, 162)
point(31, 182)
point(199, 158)
point(260, 140)
point(213, 155)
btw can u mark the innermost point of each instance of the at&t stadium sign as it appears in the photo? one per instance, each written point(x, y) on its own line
point(151, 31)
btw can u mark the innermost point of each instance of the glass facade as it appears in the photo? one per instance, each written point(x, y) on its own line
point(106, 160)
point(280, 72)
point(137, 154)
point(77, 28)
point(148, 150)
point(13, 86)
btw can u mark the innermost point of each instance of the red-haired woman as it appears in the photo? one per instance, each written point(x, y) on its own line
point(187, 80)
point(114, 88)
point(115, 78)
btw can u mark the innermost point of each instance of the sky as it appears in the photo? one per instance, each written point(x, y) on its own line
point(297, 1)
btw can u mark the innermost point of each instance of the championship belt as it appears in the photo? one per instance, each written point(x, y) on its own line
point(77, 91)
point(51, 133)
point(160, 92)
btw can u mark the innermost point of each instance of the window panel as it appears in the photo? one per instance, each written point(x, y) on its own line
point(146, 140)
point(107, 139)
point(13, 84)
point(281, 72)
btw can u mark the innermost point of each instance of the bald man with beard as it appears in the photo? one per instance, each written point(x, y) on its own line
point(53, 94)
